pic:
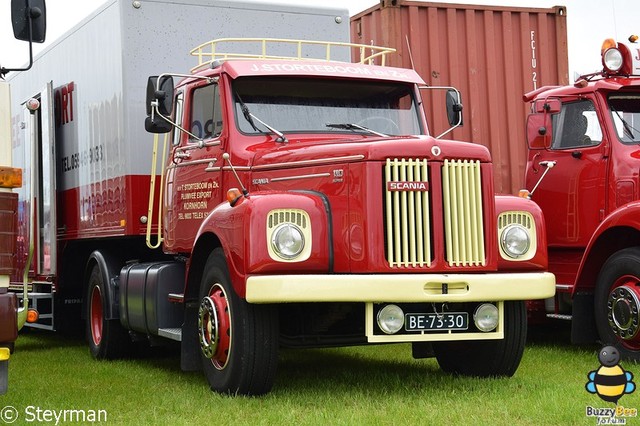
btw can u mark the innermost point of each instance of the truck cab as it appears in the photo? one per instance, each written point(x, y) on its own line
point(584, 140)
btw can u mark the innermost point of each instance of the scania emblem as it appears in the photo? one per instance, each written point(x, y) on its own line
point(407, 186)
point(436, 151)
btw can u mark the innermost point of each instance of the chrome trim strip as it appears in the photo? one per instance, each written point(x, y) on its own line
point(309, 162)
point(281, 179)
point(196, 162)
point(197, 145)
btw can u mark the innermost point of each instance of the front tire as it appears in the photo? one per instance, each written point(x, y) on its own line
point(107, 339)
point(238, 340)
point(617, 303)
point(488, 358)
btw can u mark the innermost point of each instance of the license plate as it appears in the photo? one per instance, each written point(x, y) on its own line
point(446, 321)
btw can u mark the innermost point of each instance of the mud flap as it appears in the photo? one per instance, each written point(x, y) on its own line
point(583, 323)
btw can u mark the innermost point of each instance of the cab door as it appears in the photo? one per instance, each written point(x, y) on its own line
point(572, 194)
point(194, 170)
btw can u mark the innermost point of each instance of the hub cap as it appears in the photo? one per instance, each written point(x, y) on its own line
point(214, 327)
point(623, 306)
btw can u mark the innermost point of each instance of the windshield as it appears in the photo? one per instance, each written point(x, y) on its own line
point(625, 112)
point(303, 105)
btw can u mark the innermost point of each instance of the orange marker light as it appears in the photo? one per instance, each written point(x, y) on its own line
point(233, 195)
point(633, 38)
point(32, 316)
point(523, 193)
point(10, 177)
point(608, 44)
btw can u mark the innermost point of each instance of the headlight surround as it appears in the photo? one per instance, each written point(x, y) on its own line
point(287, 241)
point(515, 241)
point(612, 60)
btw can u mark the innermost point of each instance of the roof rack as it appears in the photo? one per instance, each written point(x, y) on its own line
point(209, 52)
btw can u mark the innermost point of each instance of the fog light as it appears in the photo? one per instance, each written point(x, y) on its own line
point(486, 317)
point(390, 319)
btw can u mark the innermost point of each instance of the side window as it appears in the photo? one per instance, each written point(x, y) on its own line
point(576, 126)
point(178, 118)
point(206, 112)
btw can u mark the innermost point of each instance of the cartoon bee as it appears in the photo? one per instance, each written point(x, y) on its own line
point(610, 381)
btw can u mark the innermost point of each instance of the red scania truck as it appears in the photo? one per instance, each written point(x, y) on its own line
point(298, 201)
point(583, 166)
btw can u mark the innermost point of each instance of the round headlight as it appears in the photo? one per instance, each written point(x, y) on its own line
point(612, 60)
point(515, 241)
point(287, 241)
point(390, 319)
point(486, 317)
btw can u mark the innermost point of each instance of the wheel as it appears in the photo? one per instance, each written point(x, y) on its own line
point(617, 302)
point(380, 124)
point(238, 341)
point(107, 339)
point(487, 358)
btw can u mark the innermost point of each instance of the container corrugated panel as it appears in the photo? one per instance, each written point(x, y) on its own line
point(493, 55)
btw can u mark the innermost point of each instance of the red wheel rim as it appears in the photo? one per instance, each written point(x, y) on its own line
point(96, 315)
point(623, 311)
point(214, 324)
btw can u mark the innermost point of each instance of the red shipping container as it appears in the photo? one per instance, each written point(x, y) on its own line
point(493, 55)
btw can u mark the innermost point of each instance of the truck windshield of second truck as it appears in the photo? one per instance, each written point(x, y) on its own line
point(625, 111)
point(327, 106)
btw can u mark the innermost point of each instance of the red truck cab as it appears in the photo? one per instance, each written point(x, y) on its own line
point(585, 140)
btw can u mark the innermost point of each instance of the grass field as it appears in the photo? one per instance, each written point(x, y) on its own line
point(380, 385)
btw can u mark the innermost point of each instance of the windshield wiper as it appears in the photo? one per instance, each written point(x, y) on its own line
point(250, 117)
point(626, 126)
point(351, 126)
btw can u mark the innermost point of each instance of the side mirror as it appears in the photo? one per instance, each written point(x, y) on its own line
point(29, 20)
point(157, 125)
point(454, 107)
point(159, 103)
point(160, 95)
point(539, 130)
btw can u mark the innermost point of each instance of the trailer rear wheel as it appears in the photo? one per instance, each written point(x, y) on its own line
point(238, 341)
point(107, 339)
point(617, 303)
point(487, 358)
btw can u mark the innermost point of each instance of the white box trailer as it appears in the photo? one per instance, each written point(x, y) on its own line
point(92, 164)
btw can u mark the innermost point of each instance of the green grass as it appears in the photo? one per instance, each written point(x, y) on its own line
point(378, 385)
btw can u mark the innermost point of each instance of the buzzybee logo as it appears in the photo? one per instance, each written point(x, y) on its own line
point(610, 382)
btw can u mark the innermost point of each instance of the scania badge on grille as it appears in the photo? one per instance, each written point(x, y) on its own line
point(436, 151)
point(407, 186)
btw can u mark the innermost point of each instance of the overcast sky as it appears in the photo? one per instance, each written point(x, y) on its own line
point(589, 22)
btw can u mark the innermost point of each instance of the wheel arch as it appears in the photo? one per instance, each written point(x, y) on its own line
point(109, 265)
point(206, 243)
point(602, 246)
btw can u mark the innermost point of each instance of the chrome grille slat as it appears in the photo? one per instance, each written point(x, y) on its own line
point(407, 215)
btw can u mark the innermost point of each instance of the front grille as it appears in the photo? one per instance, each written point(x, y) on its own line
point(462, 208)
point(407, 213)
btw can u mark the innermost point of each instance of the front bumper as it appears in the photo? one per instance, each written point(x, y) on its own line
point(400, 288)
